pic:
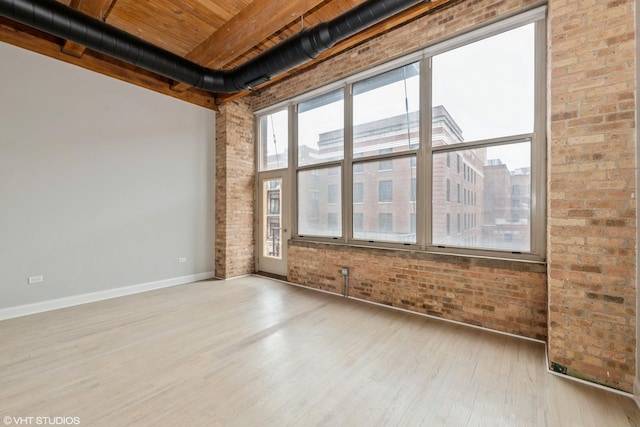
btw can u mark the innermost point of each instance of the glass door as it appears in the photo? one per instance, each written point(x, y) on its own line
point(273, 227)
point(273, 205)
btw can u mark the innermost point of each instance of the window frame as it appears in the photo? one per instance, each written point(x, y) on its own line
point(424, 151)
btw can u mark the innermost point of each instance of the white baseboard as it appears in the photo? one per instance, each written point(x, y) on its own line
point(55, 304)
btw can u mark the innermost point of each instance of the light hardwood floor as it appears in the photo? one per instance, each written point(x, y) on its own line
point(255, 352)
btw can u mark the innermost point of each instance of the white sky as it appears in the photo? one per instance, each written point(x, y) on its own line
point(487, 87)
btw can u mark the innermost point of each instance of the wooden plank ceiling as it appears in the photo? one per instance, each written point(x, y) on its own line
point(220, 34)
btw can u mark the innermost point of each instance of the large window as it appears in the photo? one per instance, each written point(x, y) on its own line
point(386, 113)
point(443, 152)
point(386, 127)
point(321, 129)
point(317, 215)
point(320, 146)
point(273, 134)
point(499, 212)
point(485, 88)
point(377, 195)
point(484, 99)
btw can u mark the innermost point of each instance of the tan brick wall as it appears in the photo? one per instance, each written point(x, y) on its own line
point(506, 296)
point(591, 186)
point(235, 178)
point(592, 215)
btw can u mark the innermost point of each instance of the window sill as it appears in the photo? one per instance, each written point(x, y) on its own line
point(519, 264)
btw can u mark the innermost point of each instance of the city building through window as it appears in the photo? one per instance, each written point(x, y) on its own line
point(474, 157)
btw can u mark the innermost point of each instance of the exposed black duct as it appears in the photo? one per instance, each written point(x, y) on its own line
point(63, 21)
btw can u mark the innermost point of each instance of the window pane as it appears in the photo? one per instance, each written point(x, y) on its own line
point(385, 165)
point(384, 204)
point(358, 192)
point(492, 214)
point(357, 221)
point(385, 222)
point(333, 195)
point(385, 191)
point(321, 129)
point(447, 196)
point(386, 112)
point(274, 141)
point(271, 217)
point(319, 202)
point(485, 89)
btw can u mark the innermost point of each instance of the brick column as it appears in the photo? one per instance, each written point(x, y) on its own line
point(235, 178)
point(592, 211)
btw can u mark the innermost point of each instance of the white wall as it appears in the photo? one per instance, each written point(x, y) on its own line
point(102, 184)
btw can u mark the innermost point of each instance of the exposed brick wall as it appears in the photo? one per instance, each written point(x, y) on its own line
point(591, 184)
point(503, 295)
point(592, 215)
point(235, 178)
point(636, 388)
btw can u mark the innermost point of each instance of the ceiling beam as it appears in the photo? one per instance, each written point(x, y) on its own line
point(36, 41)
point(264, 17)
point(371, 32)
point(96, 9)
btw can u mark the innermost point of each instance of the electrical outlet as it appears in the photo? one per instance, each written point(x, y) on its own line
point(345, 271)
point(182, 259)
point(36, 279)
